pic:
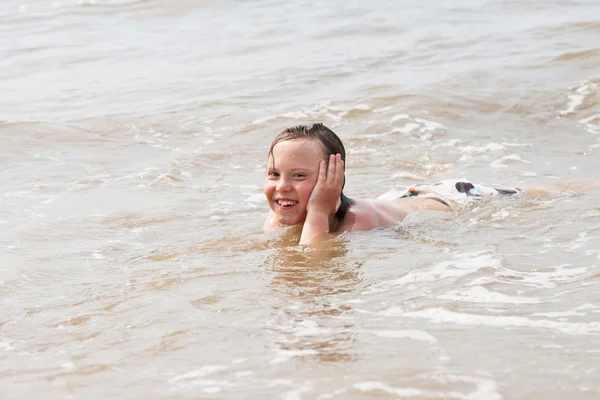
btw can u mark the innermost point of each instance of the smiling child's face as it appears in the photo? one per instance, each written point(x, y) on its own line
point(292, 174)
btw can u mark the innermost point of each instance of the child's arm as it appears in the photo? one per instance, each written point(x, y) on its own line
point(323, 201)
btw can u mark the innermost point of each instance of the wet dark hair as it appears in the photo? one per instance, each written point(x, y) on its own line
point(330, 143)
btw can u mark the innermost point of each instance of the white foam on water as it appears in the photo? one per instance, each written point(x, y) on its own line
point(376, 135)
point(287, 355)
point(510, 144)
point(482, 149)
point(407, 128)
point(362, 107)
point(310, 328)
point(424, 127)
point(195, 376)
point(332, 395)
point(509, 159)
point(262, 120)
point(356, 301)
point(461, 265)
point(557, 275)
point(592, 124)
point(334, 117)
point(256, 198)
point(410, 175)
point(482, 280)
point(581, 241)
point(479, 294)
point(485, 389)
point(280, 382)
point(586, 306)
point(21, 193)
point(557, 314)
point(389, 312)
point(371, 386)
point(443, 316)
point(399, 117)
point(295, 115)
point(362, 150)
point(101, 2)
point(576, 99)
point(48, 199)
point(406, 334)
point(551, 346)
point(448, 143)
point(429, 126)
point(296, 394)
point(500, 215)
point(464, 264)
point(5, 346)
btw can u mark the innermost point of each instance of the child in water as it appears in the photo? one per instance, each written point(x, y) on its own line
point(305, 182)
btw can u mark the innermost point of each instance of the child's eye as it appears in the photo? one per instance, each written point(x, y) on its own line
point(300, 176)
point(273, 174)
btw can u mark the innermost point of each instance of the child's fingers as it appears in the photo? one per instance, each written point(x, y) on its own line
point(340, 171)
point(322, 172)
point(335, 168)
point(331, 168)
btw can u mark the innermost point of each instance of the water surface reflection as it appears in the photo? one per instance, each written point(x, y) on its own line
point(314, 319)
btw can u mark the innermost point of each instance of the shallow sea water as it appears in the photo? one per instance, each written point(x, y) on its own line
point(133, 141)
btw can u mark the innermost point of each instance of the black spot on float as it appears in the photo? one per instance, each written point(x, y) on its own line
point(465, 187)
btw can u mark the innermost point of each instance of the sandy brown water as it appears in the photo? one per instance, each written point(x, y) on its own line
point(133, 141)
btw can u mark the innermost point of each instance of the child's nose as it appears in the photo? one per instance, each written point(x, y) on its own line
point(283, 185)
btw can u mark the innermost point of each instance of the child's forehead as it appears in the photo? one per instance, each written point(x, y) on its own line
point(298, 147)
point(296, 151)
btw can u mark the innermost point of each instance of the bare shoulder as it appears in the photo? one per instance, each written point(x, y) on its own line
point(371, 214)
point(374, 214)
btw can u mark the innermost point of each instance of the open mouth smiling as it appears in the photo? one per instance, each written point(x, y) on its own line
point(285, 203)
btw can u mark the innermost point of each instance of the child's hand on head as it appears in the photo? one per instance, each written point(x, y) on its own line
point(325, 197)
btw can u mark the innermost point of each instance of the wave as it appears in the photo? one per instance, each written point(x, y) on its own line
point(578, 55)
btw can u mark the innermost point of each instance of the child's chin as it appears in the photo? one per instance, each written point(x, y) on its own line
point(289, 221)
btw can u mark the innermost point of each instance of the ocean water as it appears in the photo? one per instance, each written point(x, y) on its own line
point(133, 142)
